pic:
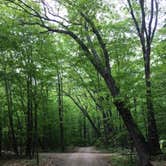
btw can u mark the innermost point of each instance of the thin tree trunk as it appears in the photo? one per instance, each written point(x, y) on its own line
point(10, 115)
point(84, 130)
point(20, 128)
point(0, 132)
point(44, 98)
point(29, 141)
point(36, 124)
point(105, 124)
point(60, 108)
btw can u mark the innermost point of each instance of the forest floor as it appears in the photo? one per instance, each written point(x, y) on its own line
point(84, 156)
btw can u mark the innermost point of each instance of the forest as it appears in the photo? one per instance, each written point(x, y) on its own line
point(82, 83)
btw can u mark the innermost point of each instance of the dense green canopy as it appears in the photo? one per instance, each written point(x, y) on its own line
point(76, 73)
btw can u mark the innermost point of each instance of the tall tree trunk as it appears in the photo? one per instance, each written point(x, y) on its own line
point(10, 115)
point(44, 99)
point(84, 130)
point(0, 132)
point(29, 141)
point(60, 109)
point(20, 128)
point(146, 30)
point(36, 123)
point(153, 138)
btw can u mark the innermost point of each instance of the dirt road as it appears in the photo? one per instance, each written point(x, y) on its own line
point(87, 156)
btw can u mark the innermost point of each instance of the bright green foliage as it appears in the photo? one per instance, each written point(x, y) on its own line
point(28, 50)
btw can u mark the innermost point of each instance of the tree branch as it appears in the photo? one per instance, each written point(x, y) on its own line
point(134, 18)
point(156, 21)
point(100, 40)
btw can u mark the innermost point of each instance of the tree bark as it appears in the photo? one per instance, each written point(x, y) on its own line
point(29, 141)
point(146, 31)
point(106, 127)
point(134, 132)
point(10, 115)
point(60, 109)
point(1, 132)
point(84, 130)
point(20, 139)
point(36, 123)
point(153, 138)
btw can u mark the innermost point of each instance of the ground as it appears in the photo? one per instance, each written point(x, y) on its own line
point(85, 156)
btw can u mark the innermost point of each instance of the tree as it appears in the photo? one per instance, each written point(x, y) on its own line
point(1, 132)
point(146, 31)
point(60, 108)
point(102, 93)
point(100, 60)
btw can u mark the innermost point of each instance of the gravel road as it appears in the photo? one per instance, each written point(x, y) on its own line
point(86, 156)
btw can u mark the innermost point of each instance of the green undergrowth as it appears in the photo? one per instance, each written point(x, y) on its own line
point(124, 157)
point(122, 160)
point(119, 156)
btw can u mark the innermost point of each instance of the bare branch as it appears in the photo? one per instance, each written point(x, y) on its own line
point(28, 9)
point(51, 12)
point(156, 21)
point(143, 19)
point(134, 18)
point(151, 17)
point(93, 50)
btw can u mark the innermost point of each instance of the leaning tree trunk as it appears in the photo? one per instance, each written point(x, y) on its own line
point(85, 113)
point(124, 111)
point(136, 135)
